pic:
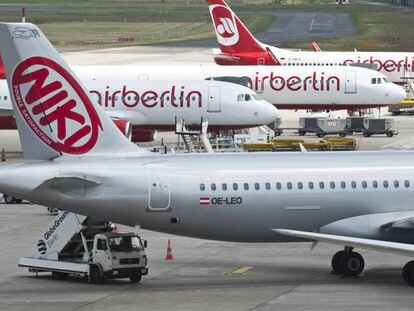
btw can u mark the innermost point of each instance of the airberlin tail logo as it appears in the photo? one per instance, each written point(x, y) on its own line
point(225, 25)
point(54, 106)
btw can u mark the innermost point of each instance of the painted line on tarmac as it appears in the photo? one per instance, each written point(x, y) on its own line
point(240, 271)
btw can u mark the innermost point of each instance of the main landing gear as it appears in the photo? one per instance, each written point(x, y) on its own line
point(349, 263)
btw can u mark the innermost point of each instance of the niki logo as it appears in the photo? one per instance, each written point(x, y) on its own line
point(54, 106)
point(225, 25)
point(25, 33)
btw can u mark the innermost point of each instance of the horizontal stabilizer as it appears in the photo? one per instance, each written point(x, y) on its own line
point(375, 245)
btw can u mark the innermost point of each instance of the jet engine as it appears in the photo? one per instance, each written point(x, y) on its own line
point(125, 127)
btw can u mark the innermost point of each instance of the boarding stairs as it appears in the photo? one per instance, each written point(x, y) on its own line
point(180, 129)
point(67, 236)
point(409, 85)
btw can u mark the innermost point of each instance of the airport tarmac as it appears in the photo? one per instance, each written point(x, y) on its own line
point(204, 275)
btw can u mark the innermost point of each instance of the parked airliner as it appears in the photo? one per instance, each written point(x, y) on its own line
point(139, 108)
point(239, 47)
point(285, 87)
point(355, 199)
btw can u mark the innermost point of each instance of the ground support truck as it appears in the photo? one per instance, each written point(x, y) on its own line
point(73, 244)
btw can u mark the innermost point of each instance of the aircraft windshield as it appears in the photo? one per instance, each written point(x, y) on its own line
point(247, 97)
point(125, 244)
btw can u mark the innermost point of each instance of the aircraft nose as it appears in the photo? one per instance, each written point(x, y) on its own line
point(399, 93)
point(268, 113)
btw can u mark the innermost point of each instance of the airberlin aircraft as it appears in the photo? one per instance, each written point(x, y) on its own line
point(239, 47)
point(86, 166)
point(140, 108)
point(333, 88)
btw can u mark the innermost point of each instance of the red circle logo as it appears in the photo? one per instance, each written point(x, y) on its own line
point(54, 106)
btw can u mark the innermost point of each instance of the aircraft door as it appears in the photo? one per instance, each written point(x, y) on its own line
point(350, 82)
point(214, 99)
point(158, 188)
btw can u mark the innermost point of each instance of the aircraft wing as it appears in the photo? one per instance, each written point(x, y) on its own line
point(375, 245)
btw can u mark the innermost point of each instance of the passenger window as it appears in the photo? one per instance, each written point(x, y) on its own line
point(310, 185)
point(385, 184)
point(213, 187)
point(256, 186)
point(278, 186)
point(321, 185)
point(289, 185)
point(300, 185)
point(375, 184)
point(202, 187)
point(332, 184)
point(224, 187)
point(267, 185)
point(353, 184)
point(364, 184)
point(343, 185)
point(396, 183)
point(406, 184)
point(235, 186)
point(246, 186)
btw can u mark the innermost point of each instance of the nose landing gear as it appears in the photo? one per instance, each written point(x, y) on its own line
point(348, 263)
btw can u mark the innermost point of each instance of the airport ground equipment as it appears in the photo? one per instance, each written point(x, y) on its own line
point(405, 107)
point(354, 125)
point(73, 244)
point(322, 126)
point(9, 199)
point(325, 144)
point(375, 126)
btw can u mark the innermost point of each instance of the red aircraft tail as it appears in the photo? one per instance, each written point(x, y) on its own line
point(232, 35)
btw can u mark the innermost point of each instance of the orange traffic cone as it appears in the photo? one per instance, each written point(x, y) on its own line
point(169, 255)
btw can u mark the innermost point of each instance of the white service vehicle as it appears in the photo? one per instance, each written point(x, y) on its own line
point(78, 245)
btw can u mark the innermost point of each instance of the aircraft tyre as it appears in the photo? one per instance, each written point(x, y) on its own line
point(351, 263)
point(408, 273)
point(336, 267)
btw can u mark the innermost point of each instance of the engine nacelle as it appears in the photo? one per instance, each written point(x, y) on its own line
point(140, 136)
point(125, 127)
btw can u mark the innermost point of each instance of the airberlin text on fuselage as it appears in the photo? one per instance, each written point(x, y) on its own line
point(314, 82)
point(389, 65)
point(176, 97)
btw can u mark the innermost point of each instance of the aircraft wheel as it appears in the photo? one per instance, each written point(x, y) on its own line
point(351, 264)
point(336, 267)
point(408, 273)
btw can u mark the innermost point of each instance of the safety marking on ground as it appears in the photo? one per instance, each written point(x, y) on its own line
point(240, 271)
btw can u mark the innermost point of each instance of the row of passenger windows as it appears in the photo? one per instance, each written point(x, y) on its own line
point(310, 185)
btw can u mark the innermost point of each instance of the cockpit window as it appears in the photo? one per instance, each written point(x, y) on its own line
point(240, 97)
point(373, 81)
point(256, 97)
point(386, 80)
point(245, 97)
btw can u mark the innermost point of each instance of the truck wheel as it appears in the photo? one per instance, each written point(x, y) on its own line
point(95, 275)
point(302, 133)
point(390, 134)
point(135, 276)
point(342, 134)
point(9, 199)
point(366, 134)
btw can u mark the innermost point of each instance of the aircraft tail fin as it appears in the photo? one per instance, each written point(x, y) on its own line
point(54, 113)
point(232, 34)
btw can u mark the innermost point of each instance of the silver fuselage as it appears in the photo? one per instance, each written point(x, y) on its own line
point(164, 193)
